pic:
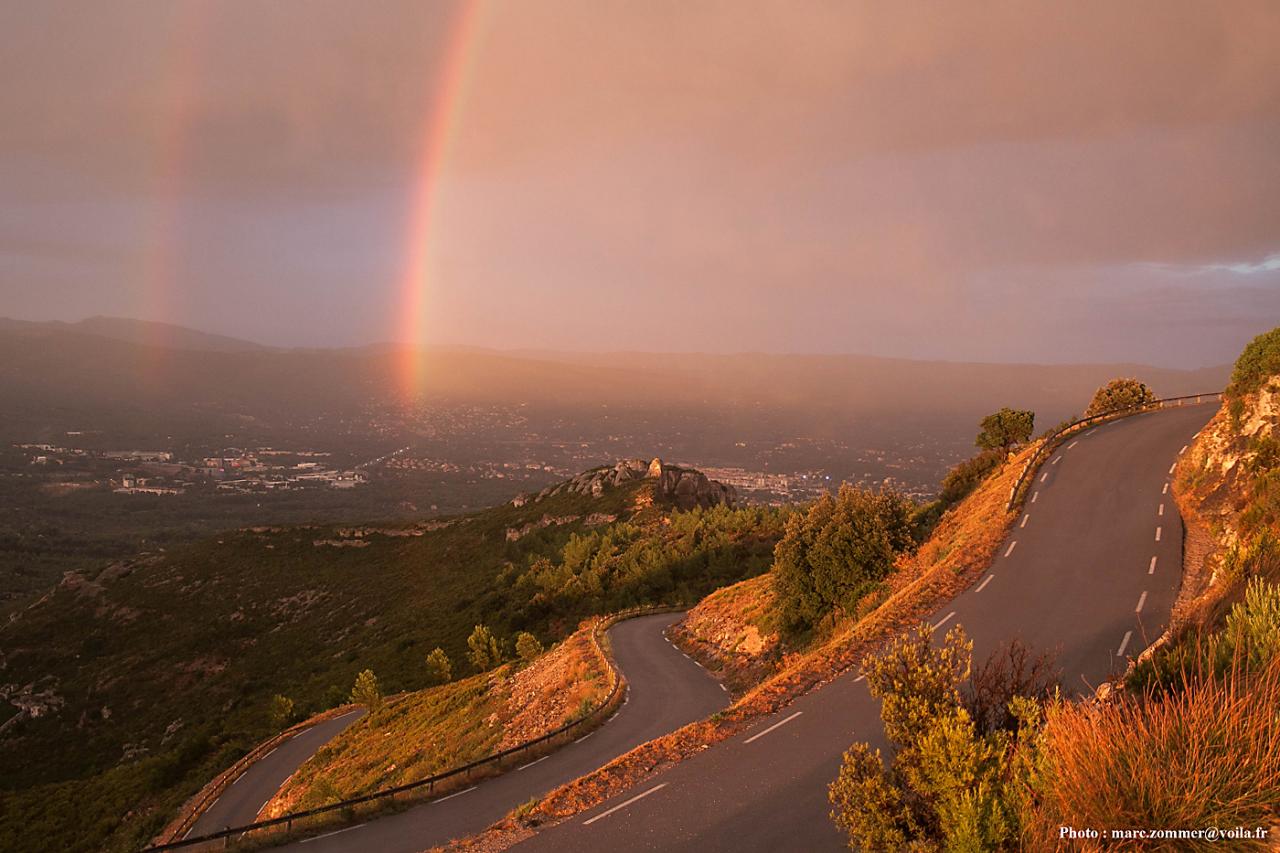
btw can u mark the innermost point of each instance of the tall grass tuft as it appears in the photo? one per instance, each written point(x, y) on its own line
point(1205, 755)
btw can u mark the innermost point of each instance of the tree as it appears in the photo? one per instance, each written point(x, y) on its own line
point(1007, 427)
point(1119, 395)
point(281, 711)
point(366, 692)
point(527, 646)
point(484, 651)
point(837, 552)
point(439, 669)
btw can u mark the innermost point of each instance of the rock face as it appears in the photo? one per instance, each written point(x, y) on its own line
point(685, 487)
point(688, 488)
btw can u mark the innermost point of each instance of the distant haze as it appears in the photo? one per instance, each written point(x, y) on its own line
point(1009, 181)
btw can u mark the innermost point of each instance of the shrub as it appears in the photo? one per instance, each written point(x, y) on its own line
point(1013, 670)
point(949, 780)
point(527, 646)
point(484, 652)
point(1004, 429)
point(439, 668)
point(836, 553)
point(1207, 755)
point(281, 711)
point(1258, 363)
point(366, 692)
point(1119, 395)
point(961, 480)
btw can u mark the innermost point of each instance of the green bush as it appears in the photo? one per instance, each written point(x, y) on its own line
point(1259, 362)
point(949, 781)
point(1119, 395)
point(281, 712)
point(527, 647)
point(837, 552)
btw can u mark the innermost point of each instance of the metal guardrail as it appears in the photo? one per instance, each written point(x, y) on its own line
point(1054, 439)
point(464, 771)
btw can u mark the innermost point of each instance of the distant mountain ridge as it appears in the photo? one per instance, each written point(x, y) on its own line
point(100, 362)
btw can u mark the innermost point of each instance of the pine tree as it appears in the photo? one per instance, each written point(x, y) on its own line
point(484, 652)
point(527, 646)
point(366, 692)
point(439, 669)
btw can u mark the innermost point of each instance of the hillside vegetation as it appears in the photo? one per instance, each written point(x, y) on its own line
point(138, 683)
point(433, 730)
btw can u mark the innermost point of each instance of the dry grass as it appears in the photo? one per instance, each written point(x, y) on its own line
point(962, 546)
point(1207, 755)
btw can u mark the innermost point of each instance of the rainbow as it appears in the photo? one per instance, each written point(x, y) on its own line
point(438, 135)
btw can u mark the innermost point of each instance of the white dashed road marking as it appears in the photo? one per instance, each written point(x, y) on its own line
point(1152, 569)
point(1161, 511)
point(1012, 545)
point(1142, 599)
point(1165, 490)
point(1171, 467)
point(584, 737)
point(1157, 534)
point(459, 794)
point(337, 831)
point(1124, 644)
point(1183, 450)
point(1044, 476)
point(1024, 520)
point(1073, 444)
point(1034, 496)
point(531, 763)
point(774, 726)
point(944, 620)
point(1057, 459)
point(983, 585)
point(654, 789)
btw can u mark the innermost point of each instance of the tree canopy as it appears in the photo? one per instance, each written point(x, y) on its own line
point(1006, 428)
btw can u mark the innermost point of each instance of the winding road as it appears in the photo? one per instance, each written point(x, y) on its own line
point(667, 691)
point(1089, 571)
point(245, 797)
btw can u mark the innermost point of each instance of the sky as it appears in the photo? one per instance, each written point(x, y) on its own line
point(1007, 181)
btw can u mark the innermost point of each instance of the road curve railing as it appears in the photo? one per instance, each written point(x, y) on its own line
point(427, 786)
point(1051, 441)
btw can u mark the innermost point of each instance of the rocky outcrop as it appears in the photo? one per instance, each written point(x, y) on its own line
point(685, 487)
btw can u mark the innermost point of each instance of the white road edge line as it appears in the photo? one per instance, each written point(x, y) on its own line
point(1073, 444)
point(652, 790)
point(1171, 467)
point(1044, 476)
point(1183, 450)
point(327, 834)
point(1090, 432)
point(859, 678)
point(983, 585)
point(1157, 534)
point(1012, 545)
point(1165, 490)
point(774, 726)
point(1124, 644)
point(531, 763)
point(725, 689)
point(1057, 459)
point(944, 620)
point(268, 755)
point(1161, 510)
point(1025, 519)
point(459, 794)
point(1142, 599)
point(1152, 569)
point(1034, 496)
point(584, 737)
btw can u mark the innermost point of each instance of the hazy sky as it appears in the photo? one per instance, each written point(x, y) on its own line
point(1052, 181)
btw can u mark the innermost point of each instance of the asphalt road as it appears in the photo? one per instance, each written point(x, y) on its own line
point(1090, 573)
point(241, 802)
point(667, 690)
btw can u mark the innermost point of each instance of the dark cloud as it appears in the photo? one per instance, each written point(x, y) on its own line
point(1027, 181)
